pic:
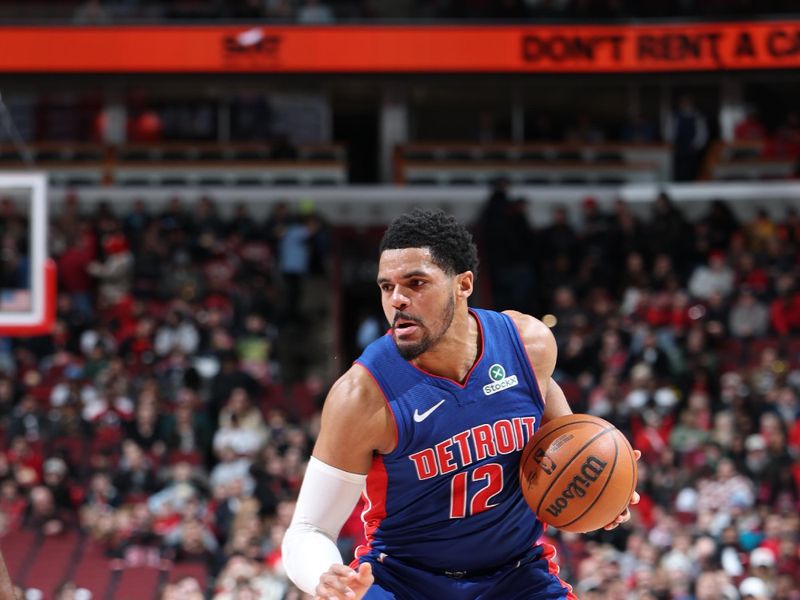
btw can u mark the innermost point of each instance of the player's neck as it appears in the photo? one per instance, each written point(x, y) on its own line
point(455, 354)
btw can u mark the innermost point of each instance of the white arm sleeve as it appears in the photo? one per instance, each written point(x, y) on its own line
point(326, 500)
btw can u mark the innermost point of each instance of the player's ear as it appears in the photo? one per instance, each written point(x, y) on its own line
point(465, 283)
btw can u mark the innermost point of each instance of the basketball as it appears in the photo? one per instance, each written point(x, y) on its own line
point(577, 473)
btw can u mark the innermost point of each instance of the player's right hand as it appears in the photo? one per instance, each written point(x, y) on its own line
point(340, 582)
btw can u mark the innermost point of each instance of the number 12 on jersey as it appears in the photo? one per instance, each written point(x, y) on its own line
point(488, 482)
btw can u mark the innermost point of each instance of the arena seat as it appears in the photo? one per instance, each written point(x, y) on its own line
point(181, 164)
point(138, 583)
point(52, 562)
point(450, 163)
point(92, 569)
point(194, 569)
point(17, 547)
point(478, 172)
point(746, 161)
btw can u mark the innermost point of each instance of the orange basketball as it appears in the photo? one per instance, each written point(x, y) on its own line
point(578, 473)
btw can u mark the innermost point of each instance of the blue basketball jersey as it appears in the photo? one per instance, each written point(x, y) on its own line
point(448, 496)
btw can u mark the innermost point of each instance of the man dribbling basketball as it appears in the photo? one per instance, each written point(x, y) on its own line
point(432, 419)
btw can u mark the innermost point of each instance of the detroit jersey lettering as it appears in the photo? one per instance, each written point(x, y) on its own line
point(447, 497)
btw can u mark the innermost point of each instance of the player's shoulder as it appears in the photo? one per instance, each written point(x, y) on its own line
point(355, 395)
point(355, 403)
point(538, 340)
point(531, 329)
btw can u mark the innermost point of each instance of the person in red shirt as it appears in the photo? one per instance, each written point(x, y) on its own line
point(73, 271)
point(750, 128)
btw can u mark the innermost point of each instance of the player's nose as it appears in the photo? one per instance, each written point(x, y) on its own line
point(399, 299)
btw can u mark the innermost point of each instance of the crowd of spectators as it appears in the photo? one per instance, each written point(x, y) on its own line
point(778, 140)
point(154, 419)
point(148, 420)
point(684, 333)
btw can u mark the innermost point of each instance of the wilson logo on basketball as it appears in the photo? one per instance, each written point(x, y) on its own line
point(591, 470)
point(500, 382)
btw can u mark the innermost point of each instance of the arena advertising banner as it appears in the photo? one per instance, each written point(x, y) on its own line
point(408, 49)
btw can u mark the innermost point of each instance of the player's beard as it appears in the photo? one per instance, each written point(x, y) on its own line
point(411, 351)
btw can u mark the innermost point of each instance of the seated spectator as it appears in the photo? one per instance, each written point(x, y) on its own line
point(135, 478)
point(114, 273)
point(12, 504)
point(231, 467)
point(785, 143)
point(192, 541)
point(750, 128)
point(186, 588)
point(177, 331)
point(715, 276)
point(749, 317)
point(25, 462)
point(55, 472)
point(651, 354)
point(761, 231)
point(44, 516)
point(754, 588)
point(256, 348)
point(145, 428)
point(241, 425)
point(186, 431)
point(725, 490)
point(182, 484)
point(101, 493)
point(242, 576)
point(784, 310)
point(28, 420)
point(752, 274)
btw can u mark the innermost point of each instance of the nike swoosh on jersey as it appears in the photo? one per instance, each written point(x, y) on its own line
point(420, 417)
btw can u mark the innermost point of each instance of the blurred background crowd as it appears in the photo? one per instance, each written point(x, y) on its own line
point(215, 236)
point(167, 421)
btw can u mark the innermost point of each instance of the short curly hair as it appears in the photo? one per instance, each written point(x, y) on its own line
point(451, 245)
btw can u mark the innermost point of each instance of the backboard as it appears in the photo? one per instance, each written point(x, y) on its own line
point(27, 275)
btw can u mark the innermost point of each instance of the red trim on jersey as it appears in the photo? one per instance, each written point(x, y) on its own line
point(375, 505)
point(475, 364)
point(549, 554)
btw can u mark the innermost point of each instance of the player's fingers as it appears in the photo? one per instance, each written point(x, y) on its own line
point(336, 584)
point(635, 498)
point(326, 593)
point(341, 570)
point(625, 516)
point(364, 574)
point(637, 454)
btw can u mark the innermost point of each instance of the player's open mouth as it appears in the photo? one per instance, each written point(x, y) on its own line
point(404, 328)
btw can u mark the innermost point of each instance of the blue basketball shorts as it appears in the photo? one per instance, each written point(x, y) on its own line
point(534, 577)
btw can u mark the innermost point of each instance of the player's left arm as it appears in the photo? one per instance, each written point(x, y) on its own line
point(540, 345)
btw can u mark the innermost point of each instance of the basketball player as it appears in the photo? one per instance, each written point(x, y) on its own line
point(432, 419)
